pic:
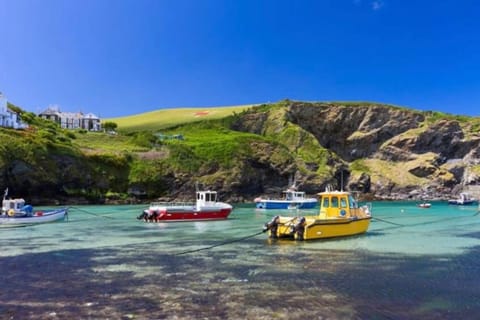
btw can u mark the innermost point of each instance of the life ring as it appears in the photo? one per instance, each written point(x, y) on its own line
point(11, 213)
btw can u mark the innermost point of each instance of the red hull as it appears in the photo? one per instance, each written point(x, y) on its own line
point(205, 208)
point(177, 216)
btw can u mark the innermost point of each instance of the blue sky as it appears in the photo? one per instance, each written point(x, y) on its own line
point(123, 57)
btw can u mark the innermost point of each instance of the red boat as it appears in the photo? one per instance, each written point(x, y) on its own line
point(206, 207)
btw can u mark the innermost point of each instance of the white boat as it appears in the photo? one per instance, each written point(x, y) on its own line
point(424, 205)
point(464, 199)
point(16, 213)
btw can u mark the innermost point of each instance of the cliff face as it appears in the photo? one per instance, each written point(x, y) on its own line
point(352, 132)
point(402, 153)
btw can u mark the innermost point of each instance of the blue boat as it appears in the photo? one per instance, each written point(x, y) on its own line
point(292, 199)
point(463, 200)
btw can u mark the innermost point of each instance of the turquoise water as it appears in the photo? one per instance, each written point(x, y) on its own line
point(102, 263)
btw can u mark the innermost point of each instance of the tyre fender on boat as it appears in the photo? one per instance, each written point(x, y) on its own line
point(299, 229)
point(161, 212)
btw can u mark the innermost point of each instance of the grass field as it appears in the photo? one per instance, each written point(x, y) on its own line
point(99, 142)
point(164, 118)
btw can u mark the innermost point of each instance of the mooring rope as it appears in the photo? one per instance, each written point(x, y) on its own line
point(91, 213)
point(426, 222)
point(219, 244)
point(395, 224)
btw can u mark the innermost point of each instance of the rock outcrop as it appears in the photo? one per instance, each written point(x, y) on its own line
point(414, 149)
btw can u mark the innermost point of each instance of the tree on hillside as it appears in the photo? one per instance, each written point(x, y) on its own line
point(109, 126)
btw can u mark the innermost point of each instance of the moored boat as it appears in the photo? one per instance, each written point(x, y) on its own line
point(464, 199)
point(339, 216)
point(291, 199)
point(206, 207)
point(424, 205)
point(16, 213)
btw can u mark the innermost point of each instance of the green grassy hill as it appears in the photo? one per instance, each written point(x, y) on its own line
point(165, 118)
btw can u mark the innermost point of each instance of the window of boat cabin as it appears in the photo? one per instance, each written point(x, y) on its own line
point(334, 202)
point(353, 203)
point(326, 202)
point(210, 196)
point(343, 202)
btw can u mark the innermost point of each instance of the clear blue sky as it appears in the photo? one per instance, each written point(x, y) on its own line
point(123, 57)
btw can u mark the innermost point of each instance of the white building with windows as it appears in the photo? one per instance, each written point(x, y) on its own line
point(8, 118)
point(72, 120)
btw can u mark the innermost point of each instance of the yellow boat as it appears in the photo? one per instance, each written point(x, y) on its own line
point(339, 216)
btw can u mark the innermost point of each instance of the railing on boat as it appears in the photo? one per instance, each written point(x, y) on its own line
point(172, 204)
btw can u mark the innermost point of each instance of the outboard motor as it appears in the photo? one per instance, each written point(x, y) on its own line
point(143, 216)
point(299, 228)
point(272, 226)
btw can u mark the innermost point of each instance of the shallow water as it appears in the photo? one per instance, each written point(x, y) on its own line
point(104, 264)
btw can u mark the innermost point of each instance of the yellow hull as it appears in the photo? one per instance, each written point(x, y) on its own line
point(323, 228)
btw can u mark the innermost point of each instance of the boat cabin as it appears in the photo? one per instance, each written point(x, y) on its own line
point(204, 197)
point(14, 206)
point(294, 195)
point(337, 204)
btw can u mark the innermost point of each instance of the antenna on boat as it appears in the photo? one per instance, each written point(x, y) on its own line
point(341, 180)
point(5, 194)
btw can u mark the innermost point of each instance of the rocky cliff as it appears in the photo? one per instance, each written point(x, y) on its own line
point(384, 151)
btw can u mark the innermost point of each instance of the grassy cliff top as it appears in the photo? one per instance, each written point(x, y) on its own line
point(165, 118)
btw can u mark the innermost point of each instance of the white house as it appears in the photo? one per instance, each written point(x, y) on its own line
point(8, 118)
point(72, 120)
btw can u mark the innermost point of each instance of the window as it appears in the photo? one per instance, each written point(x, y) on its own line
point(334, 202)
point(326, 202)
point(353, 203)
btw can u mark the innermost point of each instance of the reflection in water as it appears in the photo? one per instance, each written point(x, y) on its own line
point(424, 267)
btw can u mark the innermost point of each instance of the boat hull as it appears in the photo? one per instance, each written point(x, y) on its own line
point(282, 204)
point(424, 205)
point(37, 218)
point(323, 228)
point(186, 214)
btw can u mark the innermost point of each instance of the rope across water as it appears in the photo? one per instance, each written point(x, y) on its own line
point(219, 244)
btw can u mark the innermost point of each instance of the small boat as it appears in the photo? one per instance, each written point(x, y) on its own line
point(206, 207)
point(424, 205)
point(464, 199)
point(16, 213)
point(339, 216)
point(292, 199)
